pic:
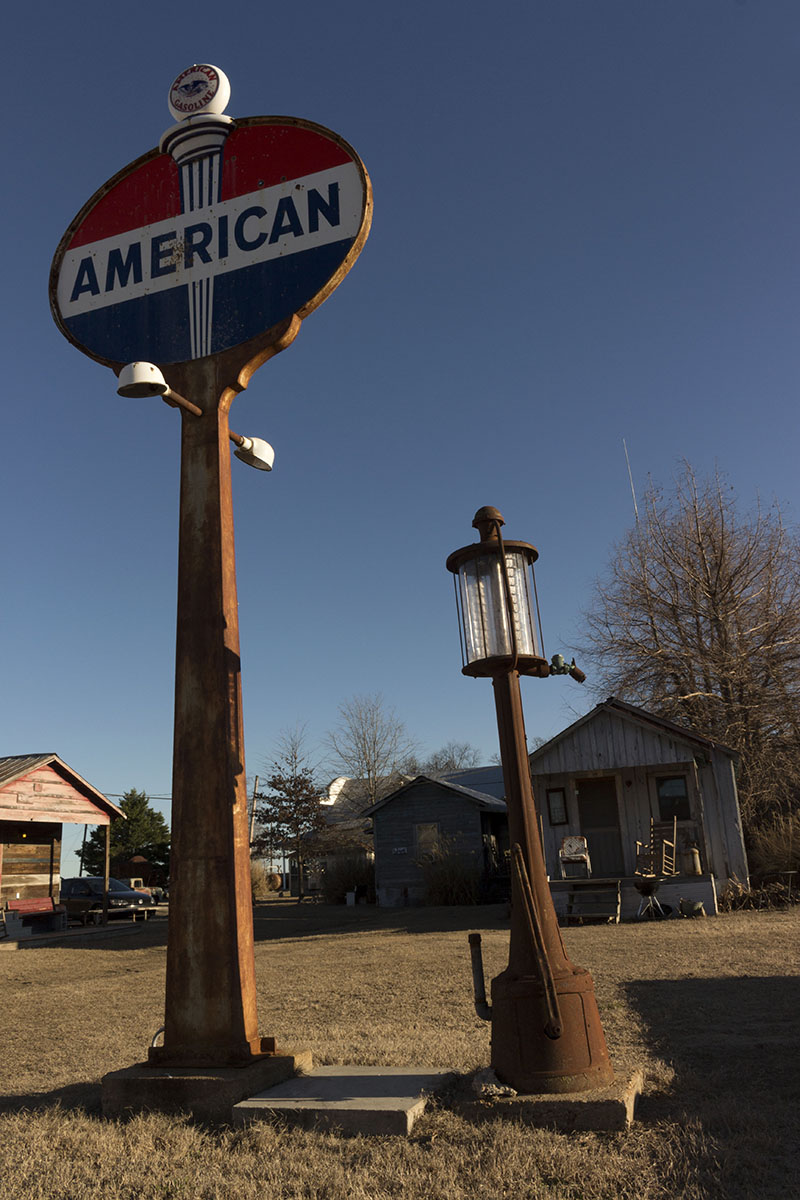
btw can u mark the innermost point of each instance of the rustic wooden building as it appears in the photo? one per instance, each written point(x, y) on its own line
point(611, 772)
point(605, 778)
point(38, 795)
point(426, 815)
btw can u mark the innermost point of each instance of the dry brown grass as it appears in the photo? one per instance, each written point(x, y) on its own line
point(708, 1008)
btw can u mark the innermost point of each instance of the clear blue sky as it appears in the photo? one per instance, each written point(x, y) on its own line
point(585, 229)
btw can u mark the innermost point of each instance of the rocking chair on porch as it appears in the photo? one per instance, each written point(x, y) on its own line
point(657, 857)
point(655, 860)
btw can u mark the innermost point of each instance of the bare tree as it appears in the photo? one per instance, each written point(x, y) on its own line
point(289, 813)
point(370, 743)
point(698, 619)
point(453, 756)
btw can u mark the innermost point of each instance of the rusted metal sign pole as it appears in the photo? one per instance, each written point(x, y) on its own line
point(185, 273)
point(211, 1014)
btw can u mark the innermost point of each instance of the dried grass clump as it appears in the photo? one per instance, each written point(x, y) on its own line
point(707, 1009)
point(776, 849)
point(775, 893)
point(259, 880)
point(75, 1156)
point(450, 877)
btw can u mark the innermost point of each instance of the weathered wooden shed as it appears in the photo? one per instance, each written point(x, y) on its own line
point(425, 815)
point(609, 773)
point(39, 794)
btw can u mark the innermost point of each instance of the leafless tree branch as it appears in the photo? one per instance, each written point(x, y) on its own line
point(698, 618)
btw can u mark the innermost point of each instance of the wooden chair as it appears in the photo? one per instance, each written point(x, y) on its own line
point(574, 853)
point(658, 856)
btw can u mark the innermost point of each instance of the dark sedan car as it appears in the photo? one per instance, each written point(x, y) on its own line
point(83, 899)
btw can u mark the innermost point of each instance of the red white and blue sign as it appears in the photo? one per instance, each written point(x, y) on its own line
point(169, 263)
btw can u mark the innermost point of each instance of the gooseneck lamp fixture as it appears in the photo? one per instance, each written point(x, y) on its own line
point(546, 1030)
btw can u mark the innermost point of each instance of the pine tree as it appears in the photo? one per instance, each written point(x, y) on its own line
point(143, 832)
point(289, 811)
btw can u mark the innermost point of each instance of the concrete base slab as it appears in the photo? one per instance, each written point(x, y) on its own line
point(80, 933)
point(606, 1108)
point(371, 1100)
point(206, 1093)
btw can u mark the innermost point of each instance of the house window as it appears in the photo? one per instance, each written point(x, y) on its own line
point(557, 806)
point(673, 798)
point(427, 838)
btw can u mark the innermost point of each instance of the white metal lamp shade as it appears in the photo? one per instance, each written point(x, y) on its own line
point(140, 379)
point(496, 601)
point(256, 453)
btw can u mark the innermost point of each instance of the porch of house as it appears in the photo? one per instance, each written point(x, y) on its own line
point(617, 898)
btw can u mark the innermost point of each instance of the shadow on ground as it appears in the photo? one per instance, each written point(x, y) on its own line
point(734, 1045)
point(80, 1097)
point(288, 919)
point(119, 935)
point(284, 918)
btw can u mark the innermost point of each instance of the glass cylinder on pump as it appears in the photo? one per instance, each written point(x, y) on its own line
point(496, 598)
point(497, 626)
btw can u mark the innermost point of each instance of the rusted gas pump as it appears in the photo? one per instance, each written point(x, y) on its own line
point(546, 1030)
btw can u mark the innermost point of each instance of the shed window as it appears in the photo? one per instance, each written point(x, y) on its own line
point(673, 798)
point(557, 806)
point(427, 838)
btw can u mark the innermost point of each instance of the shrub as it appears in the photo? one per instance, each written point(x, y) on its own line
point(348, 875)
point(450, 877)
point(776, 849)
point(259, 880)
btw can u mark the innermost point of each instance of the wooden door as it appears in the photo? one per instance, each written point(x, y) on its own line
point(598, 814)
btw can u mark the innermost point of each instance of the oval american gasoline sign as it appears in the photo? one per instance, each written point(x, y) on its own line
point(170, 263)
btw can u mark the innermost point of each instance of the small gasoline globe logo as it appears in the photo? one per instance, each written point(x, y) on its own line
point(199, 89)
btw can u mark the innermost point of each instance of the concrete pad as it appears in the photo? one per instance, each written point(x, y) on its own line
point(79, 933)
point(606, 1108)
point(206, 1093)
point(372, 1100)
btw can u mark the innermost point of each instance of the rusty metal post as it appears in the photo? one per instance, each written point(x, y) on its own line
point(211, 1015)
point(524, 1052)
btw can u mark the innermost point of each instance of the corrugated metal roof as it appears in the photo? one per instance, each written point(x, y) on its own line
point(487, 780)
point(15, 766)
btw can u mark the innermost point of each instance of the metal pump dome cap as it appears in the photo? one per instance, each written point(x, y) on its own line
point(487, 514)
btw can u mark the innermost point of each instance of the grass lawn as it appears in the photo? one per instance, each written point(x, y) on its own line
point(708, 1008)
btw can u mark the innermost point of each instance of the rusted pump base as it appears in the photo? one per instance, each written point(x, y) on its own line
point(195, 1054)
point(525, 1058)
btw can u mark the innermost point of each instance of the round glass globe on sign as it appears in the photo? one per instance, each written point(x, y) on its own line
point(198, 90)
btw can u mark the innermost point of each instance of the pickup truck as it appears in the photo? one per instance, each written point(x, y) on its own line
point(138, 886)
point(157, 893)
